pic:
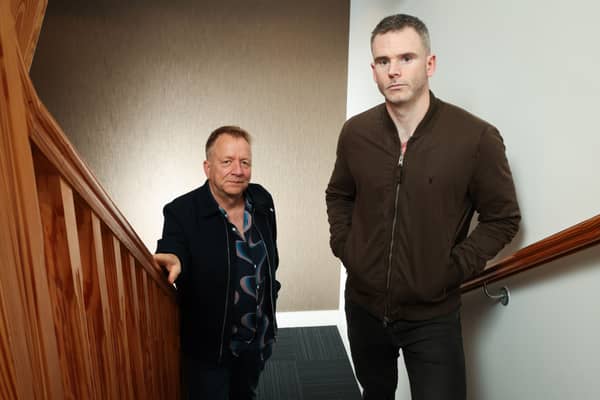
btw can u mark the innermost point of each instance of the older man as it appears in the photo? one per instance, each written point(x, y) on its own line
point(219, 246)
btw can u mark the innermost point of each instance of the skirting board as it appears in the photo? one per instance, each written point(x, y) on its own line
point(295, 319)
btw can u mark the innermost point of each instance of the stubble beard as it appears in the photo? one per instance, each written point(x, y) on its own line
point(409, 94)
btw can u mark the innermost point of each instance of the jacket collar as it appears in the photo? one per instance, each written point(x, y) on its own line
point(207, 205)
point(434, 104)
point(205, 202)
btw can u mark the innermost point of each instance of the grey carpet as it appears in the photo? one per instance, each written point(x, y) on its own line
point(308, 364)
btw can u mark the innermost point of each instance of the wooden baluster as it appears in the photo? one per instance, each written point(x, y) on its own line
point(63, 263)
point(175, 344)
point(108, 346)
point(152, 338)
point(116, 301)
point(134, 333)
point(96, 301)
point(160, 321)
point(170, 340)
point(146, 340)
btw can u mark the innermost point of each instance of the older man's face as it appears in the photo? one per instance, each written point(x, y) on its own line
point(229, 167)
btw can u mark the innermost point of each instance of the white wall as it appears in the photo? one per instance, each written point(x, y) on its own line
point(530, 68)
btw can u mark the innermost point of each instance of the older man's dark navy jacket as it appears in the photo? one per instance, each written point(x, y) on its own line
point(197, 232)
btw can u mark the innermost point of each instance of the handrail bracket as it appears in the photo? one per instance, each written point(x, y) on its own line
point(503, 296)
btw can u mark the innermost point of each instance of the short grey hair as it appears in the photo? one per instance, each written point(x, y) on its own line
point(231, 130)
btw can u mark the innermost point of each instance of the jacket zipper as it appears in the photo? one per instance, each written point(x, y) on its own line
point(386, 319)
point(226, 291)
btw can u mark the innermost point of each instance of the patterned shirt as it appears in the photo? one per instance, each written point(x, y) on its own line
point(250, 322)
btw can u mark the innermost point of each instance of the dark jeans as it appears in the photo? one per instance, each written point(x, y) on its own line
point(235, 380)
point(432, 349)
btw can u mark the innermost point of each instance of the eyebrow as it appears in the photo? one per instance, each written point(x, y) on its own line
point(407, 54)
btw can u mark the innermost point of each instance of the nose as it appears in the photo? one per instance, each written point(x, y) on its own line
point(237, 168)
point(395, 68)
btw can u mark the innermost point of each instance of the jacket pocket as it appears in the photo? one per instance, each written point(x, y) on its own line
point(346, 256)
point(455, 276)
point(435, 286)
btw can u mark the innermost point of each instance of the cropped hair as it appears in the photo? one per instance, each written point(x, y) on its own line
point(398, 22)
point(231, 130)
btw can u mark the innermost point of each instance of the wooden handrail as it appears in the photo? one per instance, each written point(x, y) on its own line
point(568, 241)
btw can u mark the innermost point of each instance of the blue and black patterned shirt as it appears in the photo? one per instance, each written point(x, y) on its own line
point(250, 321)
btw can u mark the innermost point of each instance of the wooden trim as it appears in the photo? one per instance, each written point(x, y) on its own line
point(28, 16)
point(96, 300)
point(108, 344)
point(568, 241)
point(145, 318)
point(30, 335)
point(64, 271)
point(133, 324)
point(114, 283)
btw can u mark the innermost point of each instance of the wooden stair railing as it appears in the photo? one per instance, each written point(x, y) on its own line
point(563, 243)
point(84, 311)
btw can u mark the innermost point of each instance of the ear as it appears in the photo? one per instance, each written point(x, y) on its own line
point(373, 70)
point(431, 64)
point(206, 166)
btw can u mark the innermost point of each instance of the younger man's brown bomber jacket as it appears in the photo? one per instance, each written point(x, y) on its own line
point(401, 230)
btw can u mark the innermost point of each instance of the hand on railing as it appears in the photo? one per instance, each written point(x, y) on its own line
point(171, 263)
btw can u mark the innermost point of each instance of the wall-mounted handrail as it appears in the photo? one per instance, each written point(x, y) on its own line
point(568, 241)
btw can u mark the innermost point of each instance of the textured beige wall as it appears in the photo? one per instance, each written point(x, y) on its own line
point(138, 88)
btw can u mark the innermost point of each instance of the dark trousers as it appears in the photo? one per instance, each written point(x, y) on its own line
point(235, 380)
point(432, 349)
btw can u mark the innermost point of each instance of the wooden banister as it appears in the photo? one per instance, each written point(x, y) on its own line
point(28, 16)
point(568, 241)
point(84, 311)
